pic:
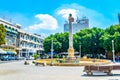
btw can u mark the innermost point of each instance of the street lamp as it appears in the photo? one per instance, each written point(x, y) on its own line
point(94, 52)
point(52, 52)
point(94, 49)
point(105, 53)
point(80, 50)
point(113, 51)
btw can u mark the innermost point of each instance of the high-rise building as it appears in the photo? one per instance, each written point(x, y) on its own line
point(119, 17)
point(78, 25)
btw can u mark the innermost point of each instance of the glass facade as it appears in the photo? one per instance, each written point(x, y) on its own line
point(119, 17)
point(78, 25)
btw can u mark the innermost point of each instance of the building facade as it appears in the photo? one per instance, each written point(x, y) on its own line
point(29, 44)
point(78, 25)
point(119, 18)
point(11, 34)
point(24, 43)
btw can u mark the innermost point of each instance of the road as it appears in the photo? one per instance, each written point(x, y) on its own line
point(1, 62)
point(16, 70)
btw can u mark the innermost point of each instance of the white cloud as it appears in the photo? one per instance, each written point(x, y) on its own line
point(46, 22)
point(65, 12)
point(95, 18)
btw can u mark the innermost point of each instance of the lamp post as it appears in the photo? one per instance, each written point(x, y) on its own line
point(80, 50)
point(52, 52)
point(113, 51)
point(105, 53)
point(94, 49)
point(94, 52)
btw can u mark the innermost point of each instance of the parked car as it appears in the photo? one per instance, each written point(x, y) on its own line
point(21, 58)
point(30, 58)
point(11, 58)
point(16, 58)
point(6, 58)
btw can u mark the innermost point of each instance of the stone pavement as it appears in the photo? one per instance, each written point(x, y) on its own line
point(18, 71)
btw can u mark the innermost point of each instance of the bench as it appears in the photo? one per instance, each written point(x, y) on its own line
point(106, 69)
point(43, 64)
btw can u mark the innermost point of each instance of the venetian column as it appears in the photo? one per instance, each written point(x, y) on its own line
point(71, 49)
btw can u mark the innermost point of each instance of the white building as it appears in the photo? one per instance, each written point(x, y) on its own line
point(80, 24)
point(30, 44)
point(26, 44)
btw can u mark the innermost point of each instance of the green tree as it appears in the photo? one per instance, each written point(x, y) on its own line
point(111, 33)
point(47, 44)
point(56, 44)
point(116, 39)
point(76, 42)
point(93, 40)
point(105, 41)
point(63, 39)
point(36, 56)
point(112, 29)
point(2, 34)
point(89, 40)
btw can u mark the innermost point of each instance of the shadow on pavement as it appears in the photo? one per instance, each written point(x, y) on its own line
point(85, 75)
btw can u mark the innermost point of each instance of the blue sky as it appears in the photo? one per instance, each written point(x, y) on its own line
point(47, 17)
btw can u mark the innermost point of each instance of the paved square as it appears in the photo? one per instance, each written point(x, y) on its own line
point(18, 71)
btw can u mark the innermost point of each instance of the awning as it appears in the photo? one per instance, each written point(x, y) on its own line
point(2, 51)
point(9, 30)
point(10, 52)
point(14, 31)
point(53, 53)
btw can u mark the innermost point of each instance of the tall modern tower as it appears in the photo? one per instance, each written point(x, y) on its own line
point(119, 17)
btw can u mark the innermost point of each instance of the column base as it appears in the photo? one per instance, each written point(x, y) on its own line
point(70, 58)
point(71, 52)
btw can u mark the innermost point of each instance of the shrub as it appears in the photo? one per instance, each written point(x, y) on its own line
point(61, 61)
point(36, 56)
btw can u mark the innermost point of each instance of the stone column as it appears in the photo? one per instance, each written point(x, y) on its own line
point(71, 49)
